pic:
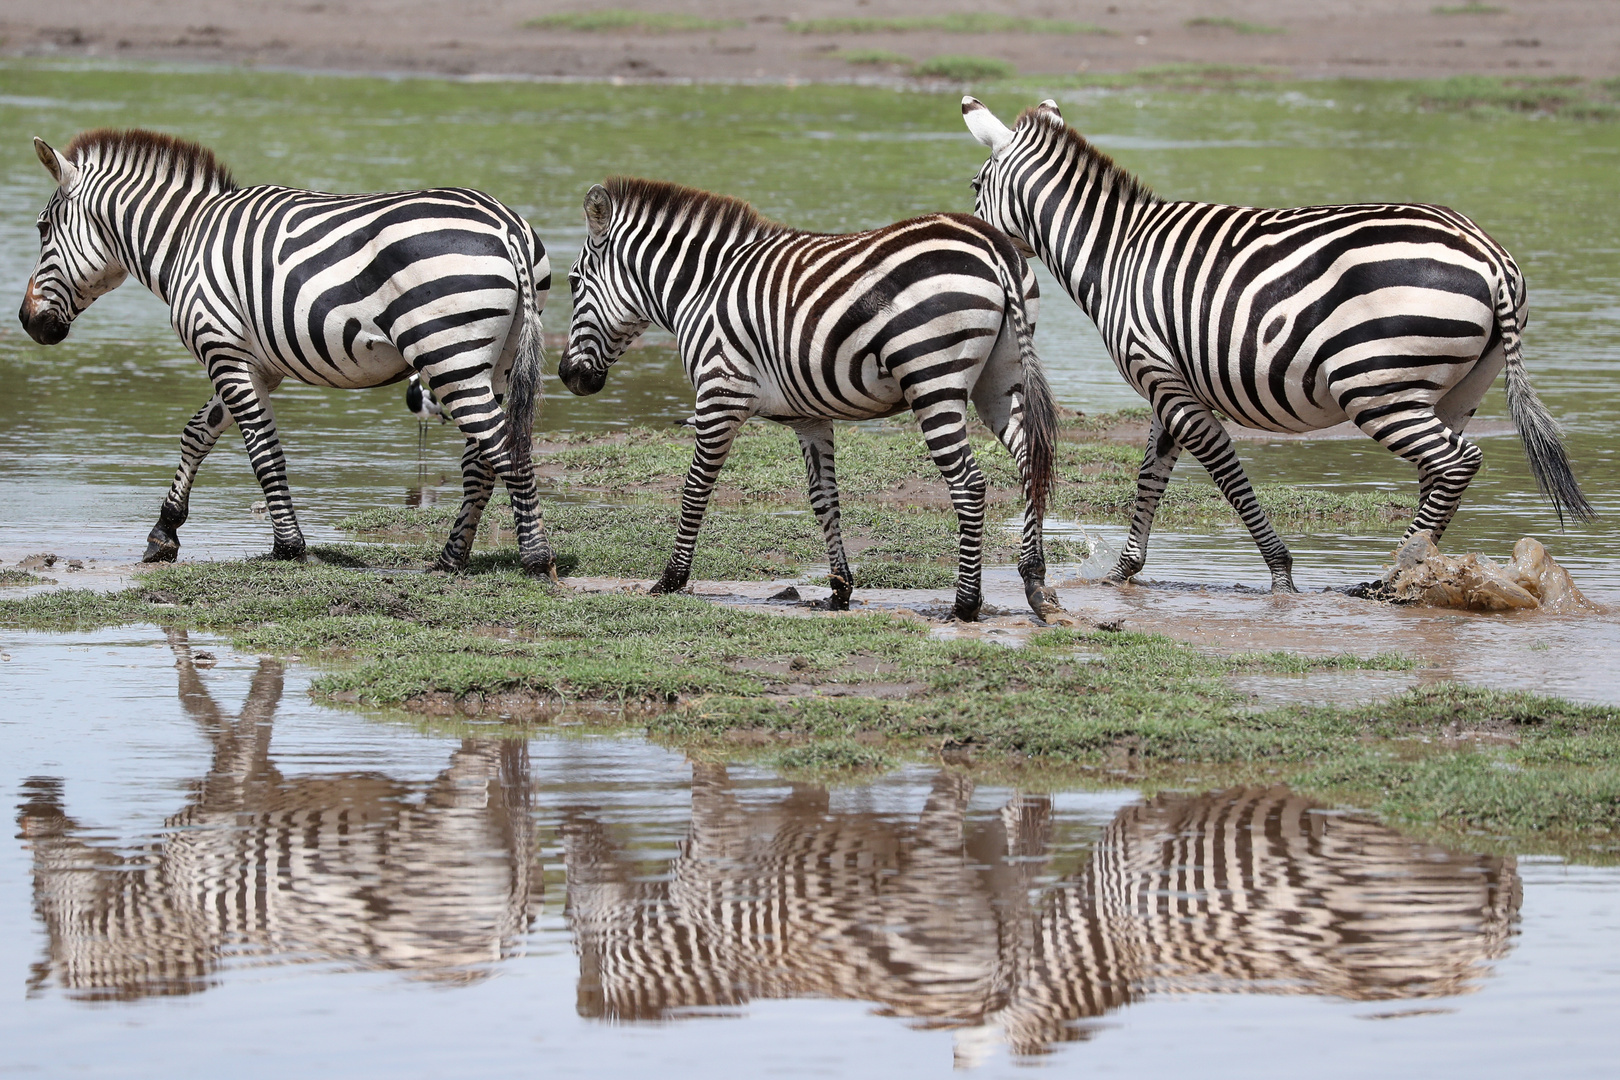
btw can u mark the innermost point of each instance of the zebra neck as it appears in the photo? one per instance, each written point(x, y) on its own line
point(676, 287)
point(1080, 244)
point(148, 227)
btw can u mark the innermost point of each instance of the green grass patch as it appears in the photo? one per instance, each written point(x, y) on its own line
point(610, 20)
point(1225, 22)
point(14, 577)
point(1567, 96)
point(961, 23)
point(962, 68)
point(872, 57)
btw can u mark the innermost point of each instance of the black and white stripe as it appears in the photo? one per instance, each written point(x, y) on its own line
point(806, 329)
point(335, 290)
point(1397, 317)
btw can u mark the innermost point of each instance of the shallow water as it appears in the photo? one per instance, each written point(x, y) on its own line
point(211, 867)
point(88, 430)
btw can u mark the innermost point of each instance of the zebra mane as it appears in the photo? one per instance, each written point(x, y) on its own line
point(1100, 163)
point(151, 147)
point(722, 211)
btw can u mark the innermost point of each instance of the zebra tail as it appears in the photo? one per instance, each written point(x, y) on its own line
point(1540, 433)
point(523, 387)
point(1040, 412)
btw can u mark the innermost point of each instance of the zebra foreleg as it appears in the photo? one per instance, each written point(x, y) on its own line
point(201, 432)
point(715, 434)
point(477, 485)
point(1197, 429)
point(1151, 480)
point(944, 427)
point(816, 440)
point(246, 394)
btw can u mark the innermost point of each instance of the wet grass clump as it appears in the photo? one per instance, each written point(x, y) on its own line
point(957, 67)
point(1567, 96)
point(613, 20)
point(981, 22)
point(1237, 26)
point(13, 577)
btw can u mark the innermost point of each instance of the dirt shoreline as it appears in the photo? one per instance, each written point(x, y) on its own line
point(1402, 39)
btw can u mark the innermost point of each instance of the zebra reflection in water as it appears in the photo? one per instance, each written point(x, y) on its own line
point(352, 868)
point(944, 920)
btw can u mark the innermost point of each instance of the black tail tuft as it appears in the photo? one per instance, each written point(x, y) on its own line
point(1542, 438)
point(1040, 412)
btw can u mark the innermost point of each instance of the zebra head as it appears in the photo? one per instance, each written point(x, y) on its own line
point(995, 195)
point(76, 261)
point(606, 317)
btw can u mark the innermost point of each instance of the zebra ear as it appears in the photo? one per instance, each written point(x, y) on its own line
point(1050, 106)
point(598, 211)
point(63, 171)
point(984, 125)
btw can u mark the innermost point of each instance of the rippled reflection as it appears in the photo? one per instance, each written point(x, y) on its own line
point(349, 867)
point(938, 919)
point(1011, 926)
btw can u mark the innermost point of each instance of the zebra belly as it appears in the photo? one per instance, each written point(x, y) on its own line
point(371, 360)
point(863, 392)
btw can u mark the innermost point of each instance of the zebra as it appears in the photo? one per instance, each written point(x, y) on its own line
point(349, 291)
point(808, 328)
point(1397, 317)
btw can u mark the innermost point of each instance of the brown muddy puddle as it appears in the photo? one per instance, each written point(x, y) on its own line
point(208, 867)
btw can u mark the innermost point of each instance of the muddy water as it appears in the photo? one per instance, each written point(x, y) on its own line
point(208, 866)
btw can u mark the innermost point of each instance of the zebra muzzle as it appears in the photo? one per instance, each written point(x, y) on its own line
point(579, 379)
point(47, 327)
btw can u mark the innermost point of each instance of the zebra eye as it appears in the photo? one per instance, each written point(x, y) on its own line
point(44, 230)
point(976, 182)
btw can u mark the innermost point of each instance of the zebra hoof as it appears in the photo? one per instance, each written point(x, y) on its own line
point(968, 611)
point(161, 548)
point(1283, 584)
point(449, 563)
point(543, 564)
point(667, 584)
point(1043, 601)
point(292, 552)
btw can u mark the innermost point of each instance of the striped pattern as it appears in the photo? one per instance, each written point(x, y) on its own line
point(1395, 317)
point(807, 329)
point(436, 878)
point(266, 283)
point(948, 918)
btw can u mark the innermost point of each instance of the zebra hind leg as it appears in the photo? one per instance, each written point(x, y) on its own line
point(816, 440)
point(477, 485)
point(998, 397)
point(201, 432)
point(1192, 425)
point(944, 426)
point(472, 405)
point(715, 434)
point(1446, 462)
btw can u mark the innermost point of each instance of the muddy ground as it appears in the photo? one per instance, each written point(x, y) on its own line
point(1367, 38)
